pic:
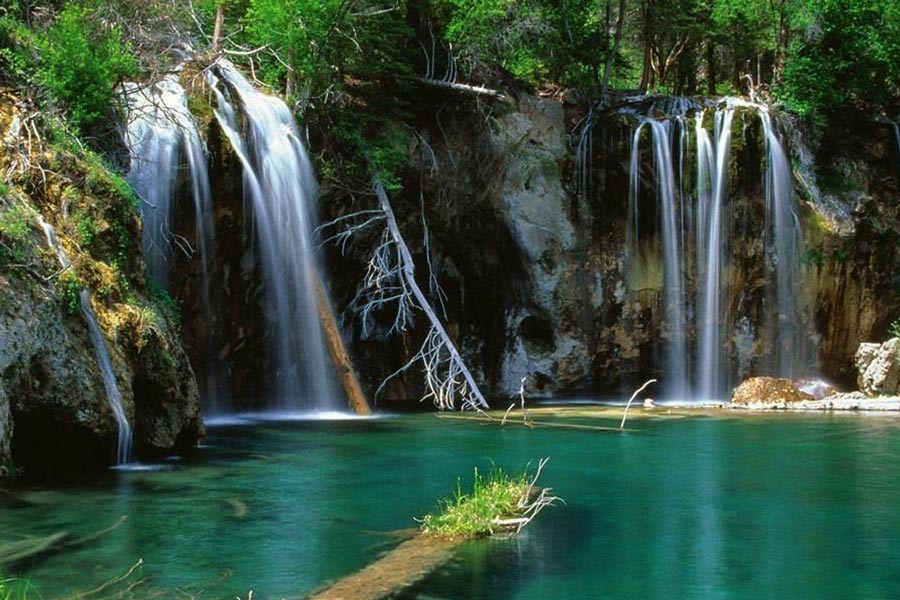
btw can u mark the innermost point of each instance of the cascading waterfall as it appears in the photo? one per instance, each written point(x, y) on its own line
point(161, 135)
point(706, 223)
point(113, 395)
point(281, 187)
point(677, 382)
point(160, 130)
point(711, 181)
point(782, 248)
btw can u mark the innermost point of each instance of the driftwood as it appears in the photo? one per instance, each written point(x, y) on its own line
point(530, 424)
point(407, 564)
point(339, 355)
point(630, 400)
point(462, 87)
point(31, 547)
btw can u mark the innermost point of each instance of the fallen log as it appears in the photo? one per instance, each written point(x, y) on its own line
point(339, 355)
point(531, 424)
point(462, 87)
point(406, 565)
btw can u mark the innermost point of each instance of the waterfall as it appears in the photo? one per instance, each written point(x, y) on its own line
point(281, 188)
point(712, 172)
point(159, 130)
point(161, 135)
point(783, 233)
point(704, 225)
point(113, 395)
point(677, 383)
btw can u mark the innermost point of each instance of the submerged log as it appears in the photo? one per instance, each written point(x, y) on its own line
point(339, 354)
point(406, 565)
point(531, 424)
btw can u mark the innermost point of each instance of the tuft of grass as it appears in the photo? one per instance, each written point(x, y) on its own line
point(15, 588)
point(494, 497)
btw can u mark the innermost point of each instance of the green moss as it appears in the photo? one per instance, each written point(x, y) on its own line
point(813, 256)
point(163, 300)
point(16, 224)
point(474, 513)
point(68, 289)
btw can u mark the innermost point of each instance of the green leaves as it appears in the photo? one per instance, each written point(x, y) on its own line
point(848, 58)
point(82, 61)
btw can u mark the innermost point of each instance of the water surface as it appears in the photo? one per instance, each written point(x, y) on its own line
point(700, 507)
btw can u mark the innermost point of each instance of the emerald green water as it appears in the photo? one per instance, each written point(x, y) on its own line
point(785, 506)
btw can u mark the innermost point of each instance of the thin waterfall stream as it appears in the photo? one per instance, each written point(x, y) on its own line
point(101, 352)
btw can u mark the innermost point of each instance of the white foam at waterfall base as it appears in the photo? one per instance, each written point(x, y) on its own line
point(101, 352)
point(282, 189)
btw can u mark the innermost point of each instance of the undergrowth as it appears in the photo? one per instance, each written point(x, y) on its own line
point(493, 497)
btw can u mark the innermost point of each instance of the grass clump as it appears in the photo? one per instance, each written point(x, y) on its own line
point(498, 502)
point(15, 588)
point(894, 329)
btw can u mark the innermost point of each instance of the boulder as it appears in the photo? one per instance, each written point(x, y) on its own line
point(878, 366)
point(768, 390)
point(817, 388)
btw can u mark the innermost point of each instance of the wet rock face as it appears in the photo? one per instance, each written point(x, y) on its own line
point(54, 416)
point(768, 390)
point(54, 411)
point(56, 400)
point(879, 368)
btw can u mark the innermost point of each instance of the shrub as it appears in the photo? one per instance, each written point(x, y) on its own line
point(894, 329)
point(15, 230)
point(82, 62)
point(68, 290)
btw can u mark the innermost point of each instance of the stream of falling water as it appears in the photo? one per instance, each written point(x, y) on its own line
point(101, 352)
point(708, 378)
point(281, 186)
point(161, 135)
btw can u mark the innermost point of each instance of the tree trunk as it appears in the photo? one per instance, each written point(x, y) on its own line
point(611, 54)
point(781, 46)
point(647, 68)
point(217, 30)
point(339, 355)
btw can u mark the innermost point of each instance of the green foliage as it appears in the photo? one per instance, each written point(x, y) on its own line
point(82, 61)
point(847, 59)
point(16, 224)
point(68, 291)
point(17, 45)
point(161, 298)
point(15, 588)
point(473, 513)
point(894, 329)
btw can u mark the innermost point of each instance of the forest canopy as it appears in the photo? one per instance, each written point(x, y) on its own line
point(816, 56)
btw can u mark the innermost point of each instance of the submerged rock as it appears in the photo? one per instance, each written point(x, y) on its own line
point(879, 367)
point(768, 390)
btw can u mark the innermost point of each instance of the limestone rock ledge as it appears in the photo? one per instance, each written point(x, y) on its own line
point(879, 367)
